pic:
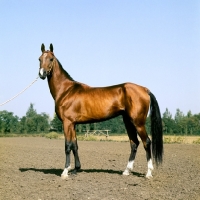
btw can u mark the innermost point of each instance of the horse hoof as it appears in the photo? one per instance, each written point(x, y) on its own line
point(73, 172)
point(77, 168)
point(63, 176)
point(126, 173)
point(149, 176)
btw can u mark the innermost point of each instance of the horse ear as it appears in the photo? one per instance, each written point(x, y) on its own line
point(42, 48)
point(51, 47)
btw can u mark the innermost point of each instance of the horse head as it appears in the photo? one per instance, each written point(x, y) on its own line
point(46, 62)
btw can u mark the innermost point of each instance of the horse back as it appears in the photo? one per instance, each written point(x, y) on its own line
point(82, 103)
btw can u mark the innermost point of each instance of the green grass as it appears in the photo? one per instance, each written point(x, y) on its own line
point(196, 141)
point(52, 135)
point(22, 135)
point(173, 140)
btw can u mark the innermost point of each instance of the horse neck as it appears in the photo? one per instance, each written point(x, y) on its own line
point(57, 77)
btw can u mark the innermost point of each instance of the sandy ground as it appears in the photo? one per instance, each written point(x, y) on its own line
point(30, 168)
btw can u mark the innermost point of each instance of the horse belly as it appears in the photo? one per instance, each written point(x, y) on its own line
point(100, 110)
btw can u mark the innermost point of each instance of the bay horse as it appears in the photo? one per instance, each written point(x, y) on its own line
point(77, 103)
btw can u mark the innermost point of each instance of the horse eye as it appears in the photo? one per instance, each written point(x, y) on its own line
point(51, 59)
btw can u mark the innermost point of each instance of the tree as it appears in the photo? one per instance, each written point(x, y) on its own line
point(168, 122)
point(197, 126)
point(8, 122)
point(167, 114)
point(178, 116)
point(31, 115)
point(23, 125)
point(179, 122)
point(33, 122)
point(189, 114)
point(42, 121)
point(56, 123)
point(31, 112)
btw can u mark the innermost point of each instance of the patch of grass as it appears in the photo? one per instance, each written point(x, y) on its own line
point(8, 135)
point(167, 140)
point(22, 135)
point(106, 140)
point(173, 140)
point(179, 140)
point(89, 138)
point(52, 135)
point(196, 141)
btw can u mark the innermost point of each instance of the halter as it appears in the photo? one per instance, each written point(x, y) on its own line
point(50, 67)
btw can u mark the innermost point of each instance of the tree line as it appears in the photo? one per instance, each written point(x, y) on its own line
point(33, 122)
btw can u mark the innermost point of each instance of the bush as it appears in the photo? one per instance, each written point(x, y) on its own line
point(8, 135)
point(172, 140)
point(179, 140)
point(52, 135)
point(89, 138)
point(167, 140)
point(196, 141)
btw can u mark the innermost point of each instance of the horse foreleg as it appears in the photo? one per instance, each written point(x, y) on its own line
point(76, 157)
point(64, 175)
point(70, 144)
point(68, 132)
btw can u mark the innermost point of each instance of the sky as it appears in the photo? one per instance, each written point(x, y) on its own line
point(155, 44)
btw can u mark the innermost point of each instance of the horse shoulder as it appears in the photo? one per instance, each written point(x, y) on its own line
point(70, 97)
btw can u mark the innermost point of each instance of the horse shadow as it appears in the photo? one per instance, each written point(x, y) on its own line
point(110, 171)
point(58, 172)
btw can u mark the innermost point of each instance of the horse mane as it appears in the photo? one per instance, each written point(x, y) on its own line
point(65, 73)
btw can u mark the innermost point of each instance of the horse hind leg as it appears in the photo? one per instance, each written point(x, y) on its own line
point(147, 146)
point(134, 143)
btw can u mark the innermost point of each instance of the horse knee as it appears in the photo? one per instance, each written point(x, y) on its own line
point(134, 147)
point(137, 143)
point(71, 146)
point(147, 147)
point(147, 144)
point(68, 147)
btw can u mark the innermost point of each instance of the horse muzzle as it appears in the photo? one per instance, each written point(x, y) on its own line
point(42, 73)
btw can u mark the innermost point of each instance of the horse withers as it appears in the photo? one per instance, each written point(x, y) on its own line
point(77, 103)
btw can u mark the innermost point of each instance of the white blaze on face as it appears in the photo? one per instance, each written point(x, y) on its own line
point(41, 69)
point(44, 55)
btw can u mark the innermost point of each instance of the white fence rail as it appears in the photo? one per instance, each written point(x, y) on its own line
point(97, 132)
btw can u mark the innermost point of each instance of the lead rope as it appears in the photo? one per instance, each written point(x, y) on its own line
point(20, 92)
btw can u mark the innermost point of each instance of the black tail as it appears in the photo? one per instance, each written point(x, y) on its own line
point(156, 130)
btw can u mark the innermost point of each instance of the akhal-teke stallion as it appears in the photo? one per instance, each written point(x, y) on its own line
point(77, 103)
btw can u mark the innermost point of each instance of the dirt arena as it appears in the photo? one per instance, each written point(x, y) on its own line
point(30, 168)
